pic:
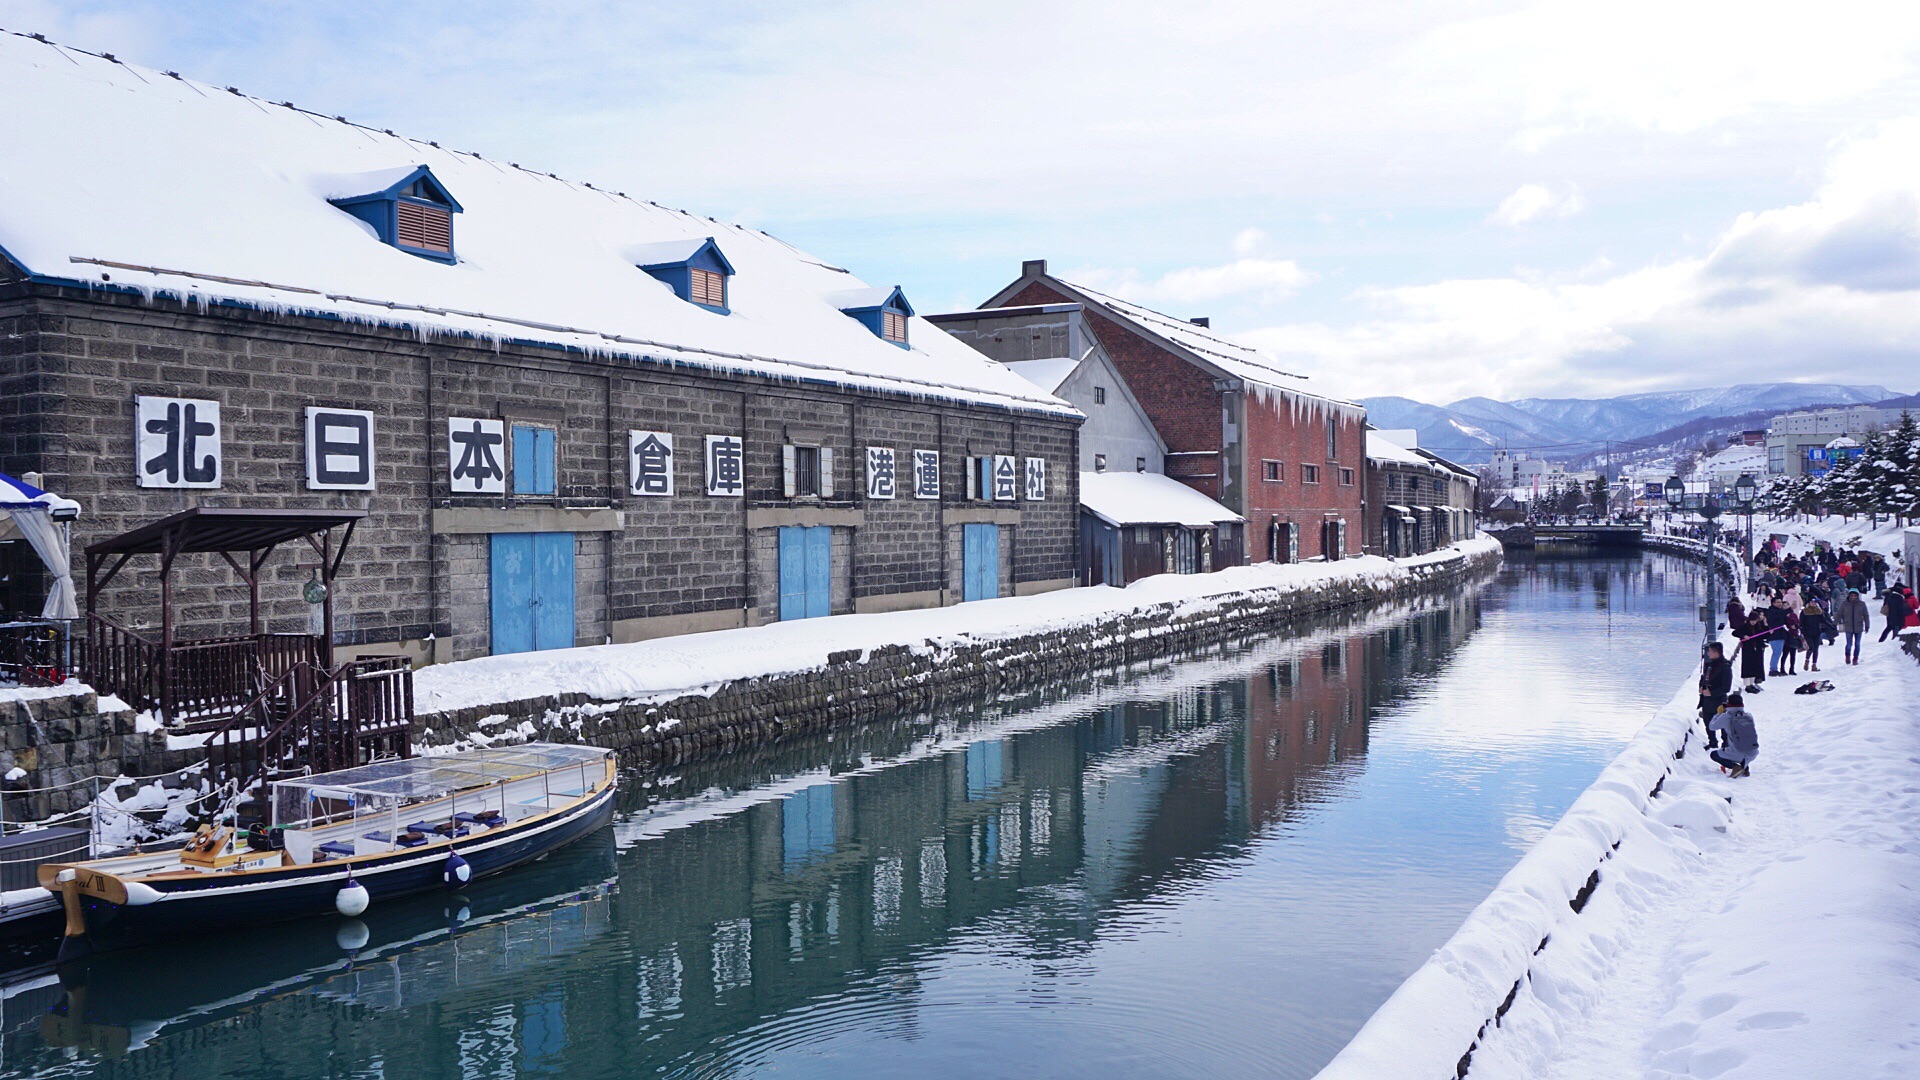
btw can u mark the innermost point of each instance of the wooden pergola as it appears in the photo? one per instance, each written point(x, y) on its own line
point(209, 676)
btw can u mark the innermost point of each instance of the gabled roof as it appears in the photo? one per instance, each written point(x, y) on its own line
point(870, 299)
point(1201, 344)
point(1381, 448)
point(388, 184)
point(113, 173)
point(678, 252)
point(1137, 498)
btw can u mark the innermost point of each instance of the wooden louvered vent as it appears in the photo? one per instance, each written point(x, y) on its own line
point(893, 326)
point(428, 228)
point(710, 288)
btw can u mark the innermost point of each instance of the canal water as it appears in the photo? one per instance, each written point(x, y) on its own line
point(1216, 866)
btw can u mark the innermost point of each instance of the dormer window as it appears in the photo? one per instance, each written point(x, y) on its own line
point(694, 269)
point(407, 208)
point(883, 311)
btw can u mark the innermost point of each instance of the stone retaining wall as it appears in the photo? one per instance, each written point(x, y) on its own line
point(854, 686)
point(65, 740)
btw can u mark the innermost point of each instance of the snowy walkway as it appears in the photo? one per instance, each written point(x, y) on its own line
point(1774, 936)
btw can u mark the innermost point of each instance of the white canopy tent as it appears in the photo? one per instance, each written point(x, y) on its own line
point(40, 518)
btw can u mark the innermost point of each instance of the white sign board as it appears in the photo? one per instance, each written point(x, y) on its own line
point(339, 449)
point(176, 442)
point(476, 455)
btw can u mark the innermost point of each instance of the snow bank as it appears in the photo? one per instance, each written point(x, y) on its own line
point(1887, 538)
point(699, 663)
point(70, 688)
point(1679, 923)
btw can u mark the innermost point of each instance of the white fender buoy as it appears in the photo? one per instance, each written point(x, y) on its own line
point(352, 899)
point(352, 935)
point(456, 872)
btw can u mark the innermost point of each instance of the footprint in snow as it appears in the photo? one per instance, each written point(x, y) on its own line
point(1714, 1004)
point(1772, 1021)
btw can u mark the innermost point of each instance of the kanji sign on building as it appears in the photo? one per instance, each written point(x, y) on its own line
point(926, 474)
point(726, 465)
point(475, 455)
point(1006, 478)
point(339, 449)
point(176, 442)
point(1036, 477)
point(650, 463)
point(881, 475)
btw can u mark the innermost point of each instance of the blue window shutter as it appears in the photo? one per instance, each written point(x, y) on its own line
point(533, 461)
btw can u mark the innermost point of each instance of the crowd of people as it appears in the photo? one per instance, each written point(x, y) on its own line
point(1800, 603)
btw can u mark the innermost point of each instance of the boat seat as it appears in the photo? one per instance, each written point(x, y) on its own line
point(488, 818)
point(403, 840)
point(336, 847)
point(444, 828)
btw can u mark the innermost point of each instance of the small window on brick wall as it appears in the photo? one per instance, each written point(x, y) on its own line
point(533, 460)
point(1309, 474)
point(1346, 477)
point(1273, 472)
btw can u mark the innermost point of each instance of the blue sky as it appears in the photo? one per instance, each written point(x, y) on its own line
point(1508, 197)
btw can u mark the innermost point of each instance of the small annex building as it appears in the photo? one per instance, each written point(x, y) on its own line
point(1136, 525)
point(1237, 428)
point(570, 415)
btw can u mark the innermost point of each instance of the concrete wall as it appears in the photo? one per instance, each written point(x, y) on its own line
point(1117, 428)
point(921, 675)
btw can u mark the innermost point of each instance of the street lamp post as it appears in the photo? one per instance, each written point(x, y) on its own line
point(1744, 493)
point(1707, 505)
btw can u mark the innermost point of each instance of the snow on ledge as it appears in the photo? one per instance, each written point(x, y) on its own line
point(663, 668)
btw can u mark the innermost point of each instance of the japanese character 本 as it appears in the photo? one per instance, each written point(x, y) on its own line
point(474, 448)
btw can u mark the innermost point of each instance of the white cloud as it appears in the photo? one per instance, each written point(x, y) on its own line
point(1828, 289)
point(1262, 280)
point(1535, 202)
point(1249, 241)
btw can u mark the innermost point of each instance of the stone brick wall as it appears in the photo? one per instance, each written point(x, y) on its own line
point(63, 741)
point(71, 364)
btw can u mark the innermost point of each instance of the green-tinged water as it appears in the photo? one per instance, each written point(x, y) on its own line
point(1211, 867)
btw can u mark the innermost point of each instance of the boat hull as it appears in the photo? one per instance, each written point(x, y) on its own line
point(198, 907)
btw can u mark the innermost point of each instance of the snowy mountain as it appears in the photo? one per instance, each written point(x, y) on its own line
point(1567, 428)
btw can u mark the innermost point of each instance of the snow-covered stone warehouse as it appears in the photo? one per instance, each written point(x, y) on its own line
point(571, 415)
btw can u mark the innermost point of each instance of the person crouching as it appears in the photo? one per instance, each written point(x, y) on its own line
point(1739, 740)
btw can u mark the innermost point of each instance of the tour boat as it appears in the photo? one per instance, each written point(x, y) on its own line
point(340, 841)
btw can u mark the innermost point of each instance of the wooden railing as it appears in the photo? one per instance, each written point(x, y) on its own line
point(320, 721)
point(120, 662)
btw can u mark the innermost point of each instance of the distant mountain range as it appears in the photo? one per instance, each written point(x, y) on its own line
point(1565, 429)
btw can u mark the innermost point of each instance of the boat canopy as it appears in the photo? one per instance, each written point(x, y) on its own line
point(390, 784)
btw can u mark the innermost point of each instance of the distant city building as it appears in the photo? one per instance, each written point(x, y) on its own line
point(1796, 441)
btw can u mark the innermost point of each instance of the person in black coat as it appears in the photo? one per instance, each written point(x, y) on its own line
point(1716, 682)
point(1894, 606)
point(1753, 652)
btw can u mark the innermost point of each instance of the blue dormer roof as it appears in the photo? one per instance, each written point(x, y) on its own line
point(674, 261)
point(872, 308)
point(408, 208)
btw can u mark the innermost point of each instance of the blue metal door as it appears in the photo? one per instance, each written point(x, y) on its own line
point(553, 590)
point(512, 592)
point(979, 562)
point(531, 576)
point(806, 572)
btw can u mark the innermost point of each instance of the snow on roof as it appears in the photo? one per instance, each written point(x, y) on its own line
point(666, 252)
point(1136, 498)
point(122, 177)
point(1380, 448)
point(859, 299)
point(1240, 361)
point(1046, 374)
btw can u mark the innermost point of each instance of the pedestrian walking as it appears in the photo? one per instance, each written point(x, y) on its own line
point(1816, 629)
point(1854, 621)
point(1739, 737)
point(1893, 604)
point(1776, 615)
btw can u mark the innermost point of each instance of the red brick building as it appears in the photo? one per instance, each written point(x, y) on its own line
point(1237, 428)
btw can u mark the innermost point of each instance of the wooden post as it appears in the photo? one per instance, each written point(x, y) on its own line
point(166, 627)
point(326, 603)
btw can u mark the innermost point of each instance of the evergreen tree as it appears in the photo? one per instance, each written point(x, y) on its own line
point(1899, 479)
